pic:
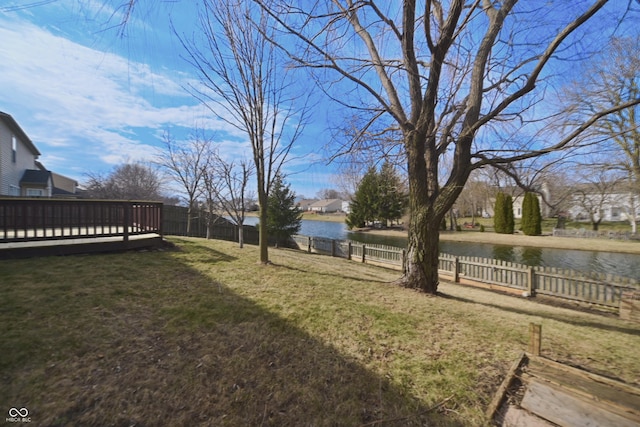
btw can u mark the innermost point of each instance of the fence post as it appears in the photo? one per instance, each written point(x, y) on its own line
point(349, 250)
point(333, 247)
point(309, 244)
point(404, 258)
point(530, 282)
point(126, 220)
point(456, 270)
point(364, 248)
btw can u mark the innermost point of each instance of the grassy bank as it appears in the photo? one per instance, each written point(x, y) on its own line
point(205, 336)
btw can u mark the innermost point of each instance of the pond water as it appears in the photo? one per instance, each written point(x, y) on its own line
point(626, 265)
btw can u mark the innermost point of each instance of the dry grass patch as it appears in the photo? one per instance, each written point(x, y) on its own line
point(205, 335)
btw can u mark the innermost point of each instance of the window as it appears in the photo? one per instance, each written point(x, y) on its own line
point(14, 190)
point(615, 212)
point(34, 192)
point(14, 148)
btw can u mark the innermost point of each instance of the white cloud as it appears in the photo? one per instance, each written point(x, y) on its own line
point(86, 104)
point(87, 109)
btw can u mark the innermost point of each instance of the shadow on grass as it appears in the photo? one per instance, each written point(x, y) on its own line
point(204, 254)
point(564, 319)
point(333, 275)
point(196, 355)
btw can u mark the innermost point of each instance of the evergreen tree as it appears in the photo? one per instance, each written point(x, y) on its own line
point(503, 221)
point(391, 200)
point(509, 218)
point(283, 216)
point(365, 202)
point(531, 218)
point(499, 214)
point(524, 221)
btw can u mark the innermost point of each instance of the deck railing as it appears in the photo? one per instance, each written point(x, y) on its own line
point(599, 289)
point(27, 220)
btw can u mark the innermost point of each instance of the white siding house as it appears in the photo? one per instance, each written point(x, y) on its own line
point(326, 205)
point(614, 206)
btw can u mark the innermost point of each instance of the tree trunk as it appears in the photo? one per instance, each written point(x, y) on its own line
point(189, 220)
point(241, 235)
point(421, 262)
point(263, 239)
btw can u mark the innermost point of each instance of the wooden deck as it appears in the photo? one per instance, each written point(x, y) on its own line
point(41, 227)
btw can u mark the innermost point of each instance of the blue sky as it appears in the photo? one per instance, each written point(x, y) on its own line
point(91, 99)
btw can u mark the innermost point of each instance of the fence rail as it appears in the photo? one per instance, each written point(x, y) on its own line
point(27, 220)
point(204, 224)
point(44, 227)
point(593, 288)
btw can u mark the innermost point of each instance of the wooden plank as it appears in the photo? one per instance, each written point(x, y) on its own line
point(501, 288)
point(593, 386)
point(518, 417)
point(568, 410)
point(498, 397)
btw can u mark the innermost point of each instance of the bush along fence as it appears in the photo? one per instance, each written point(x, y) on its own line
point(597, 289)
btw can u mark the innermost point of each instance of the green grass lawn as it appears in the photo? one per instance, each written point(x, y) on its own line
point(203, 335)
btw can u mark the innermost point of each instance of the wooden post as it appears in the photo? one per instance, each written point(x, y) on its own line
point(309, 244)
point(364, 248)
point(349, 250)
point(535, 339)
point(404, 258)
point(333, 247)
point(531, 285)
point(126, 221)
point(456, 270)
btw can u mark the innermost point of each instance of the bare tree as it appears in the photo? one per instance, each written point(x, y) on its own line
point(614, 79)
point(450, 77)
point(185, 162)
point(595, 191)
point(328, 193)
point(245, 83)
point(129, 181)
point(210, 189)
point(232, 194)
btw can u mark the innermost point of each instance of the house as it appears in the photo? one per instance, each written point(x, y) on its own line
point(326, 206)
point(21, 174)
point(18, 155)
point(305, 204)
point(615, 205)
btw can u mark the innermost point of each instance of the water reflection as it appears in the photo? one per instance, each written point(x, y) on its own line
point(504, 253)
point(531, 256)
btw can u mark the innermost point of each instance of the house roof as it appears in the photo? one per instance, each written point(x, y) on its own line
point(325, 202)
point(15, 127)
point(35, 177)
